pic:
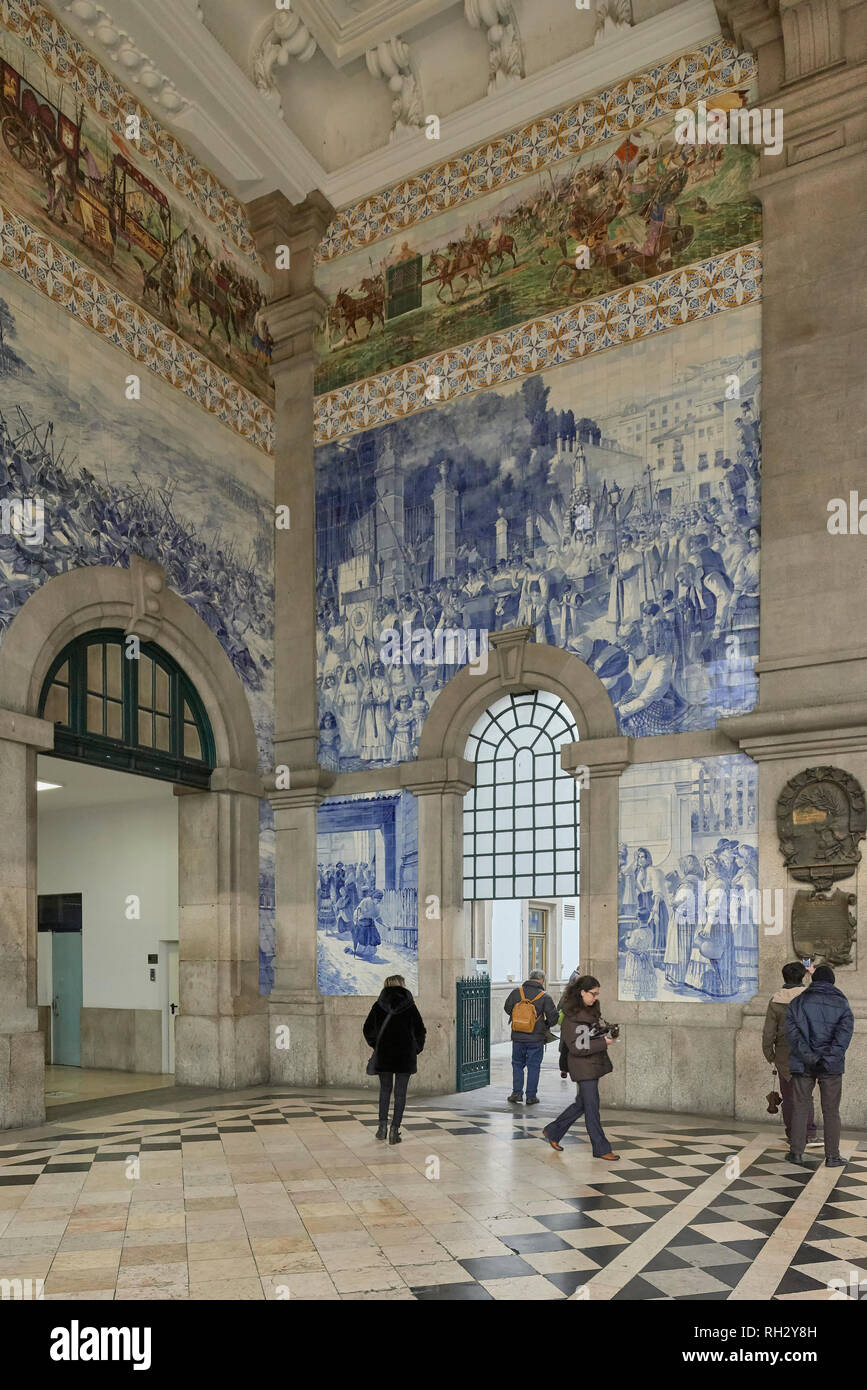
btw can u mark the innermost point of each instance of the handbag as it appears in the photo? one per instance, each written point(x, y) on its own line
point(371, 1061)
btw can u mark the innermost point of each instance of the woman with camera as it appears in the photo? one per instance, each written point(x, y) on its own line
point(587, 1038)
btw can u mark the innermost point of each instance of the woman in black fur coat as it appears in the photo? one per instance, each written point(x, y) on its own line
point(395, 1031)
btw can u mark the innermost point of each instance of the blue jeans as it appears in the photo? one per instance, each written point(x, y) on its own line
point(529, 1055)
point(586, 1103)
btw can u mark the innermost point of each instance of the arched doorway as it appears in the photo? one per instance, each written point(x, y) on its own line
point(443, 776)
point(221, 1033)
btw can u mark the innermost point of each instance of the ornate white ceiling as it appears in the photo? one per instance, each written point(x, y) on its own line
point(339, 94)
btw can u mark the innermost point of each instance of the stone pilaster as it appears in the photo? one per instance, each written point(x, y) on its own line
point(22, 1054)
point(812, 57)
point(444, 939)
point(294, 314)
point(597, 764)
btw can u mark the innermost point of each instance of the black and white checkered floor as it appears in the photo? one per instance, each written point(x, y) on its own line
point(176, 1203)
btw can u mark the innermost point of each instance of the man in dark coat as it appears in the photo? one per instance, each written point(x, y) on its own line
point(528, 1049)
point(395, 1031)
point(819, 1026)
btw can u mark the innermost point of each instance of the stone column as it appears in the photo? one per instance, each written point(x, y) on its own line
point(22, 1054)
point(294, 314)
point(605, 759)
point(444, 503)
point(221, 1030)
point(444, 936)
point(812, 57)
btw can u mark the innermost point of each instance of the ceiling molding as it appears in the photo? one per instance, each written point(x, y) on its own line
point(344, 34)
point(630, 50)
point(241, 136)
point(283, 35)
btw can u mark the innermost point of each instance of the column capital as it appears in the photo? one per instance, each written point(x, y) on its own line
point(808, 732)
point(309, 786)
point(24, 728)
point(433, 776)
point(227, 779)
point(275, 222)
point(603, 757)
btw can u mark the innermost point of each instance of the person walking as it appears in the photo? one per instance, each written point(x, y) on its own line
point(584, 1032)
point(532, 1012)
point(819, 1027)
point(396, 1032)
point(775, 1044)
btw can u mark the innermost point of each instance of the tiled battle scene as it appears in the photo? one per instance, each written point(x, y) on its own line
point(281, 1193)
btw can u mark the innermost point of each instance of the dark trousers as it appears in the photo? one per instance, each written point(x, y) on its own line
point(586, 1103)
point(788, 1102)
point(830, 1091)
point(526, 1054)
point(400, 1081)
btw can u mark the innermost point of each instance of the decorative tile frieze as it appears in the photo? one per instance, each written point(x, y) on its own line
point(85, 75)
point(681, 81)
point(682, 296)
point(30, 254)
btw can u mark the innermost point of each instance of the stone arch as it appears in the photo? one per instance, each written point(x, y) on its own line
point(515, 663)
point(221, 1036)
point(102, 596)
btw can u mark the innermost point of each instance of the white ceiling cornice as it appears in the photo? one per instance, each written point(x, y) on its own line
point(636, 49)
point(238, 134)
point(344, 34)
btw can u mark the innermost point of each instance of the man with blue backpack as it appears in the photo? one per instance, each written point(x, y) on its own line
point(819, 1026)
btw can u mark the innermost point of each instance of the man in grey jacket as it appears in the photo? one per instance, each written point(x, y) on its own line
point(529, 1048)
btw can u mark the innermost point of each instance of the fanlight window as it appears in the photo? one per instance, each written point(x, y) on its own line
point(139, 714)
point(521, 819)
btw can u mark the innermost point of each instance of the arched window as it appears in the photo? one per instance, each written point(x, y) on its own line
point(521, 819)
point(136, 714)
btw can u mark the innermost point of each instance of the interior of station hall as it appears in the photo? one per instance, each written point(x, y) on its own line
point(422, 482)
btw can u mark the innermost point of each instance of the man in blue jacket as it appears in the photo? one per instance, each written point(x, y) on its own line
point(819, 1027)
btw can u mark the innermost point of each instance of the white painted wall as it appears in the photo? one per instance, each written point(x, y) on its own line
point(107, 853)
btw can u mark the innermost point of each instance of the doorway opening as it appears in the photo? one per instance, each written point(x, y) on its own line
point(522, 849)
point(129, 727)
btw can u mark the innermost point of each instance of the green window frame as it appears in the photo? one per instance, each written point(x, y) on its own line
point(137, 714)
point(522, 818)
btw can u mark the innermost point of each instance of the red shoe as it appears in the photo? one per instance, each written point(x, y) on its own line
point(552, 1142)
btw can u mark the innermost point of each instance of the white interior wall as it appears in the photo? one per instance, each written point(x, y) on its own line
point(108, 853)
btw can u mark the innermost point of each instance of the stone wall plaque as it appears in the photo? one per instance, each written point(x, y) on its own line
point(823, 926)
point(821, 820)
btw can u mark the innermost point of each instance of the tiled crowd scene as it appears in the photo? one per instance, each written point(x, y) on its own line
point(286, 1194)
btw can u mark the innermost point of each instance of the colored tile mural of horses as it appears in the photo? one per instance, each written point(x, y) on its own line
point(76, 178)
point(640, 204)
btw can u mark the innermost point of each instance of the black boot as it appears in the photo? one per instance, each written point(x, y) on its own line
point(835, 1162)
point(394, 1135)
point(792, 1157)
point(383, 1129)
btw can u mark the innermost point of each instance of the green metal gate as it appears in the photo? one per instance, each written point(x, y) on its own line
point(474, 1032)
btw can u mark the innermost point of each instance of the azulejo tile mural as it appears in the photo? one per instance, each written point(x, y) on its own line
point(688, 901)
point(85, 295)
point(612, 505)
point(115, 476)
point(631, 102)
point(640, 204)
point(724, 282)
point(367, 892)
point(129, 202)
